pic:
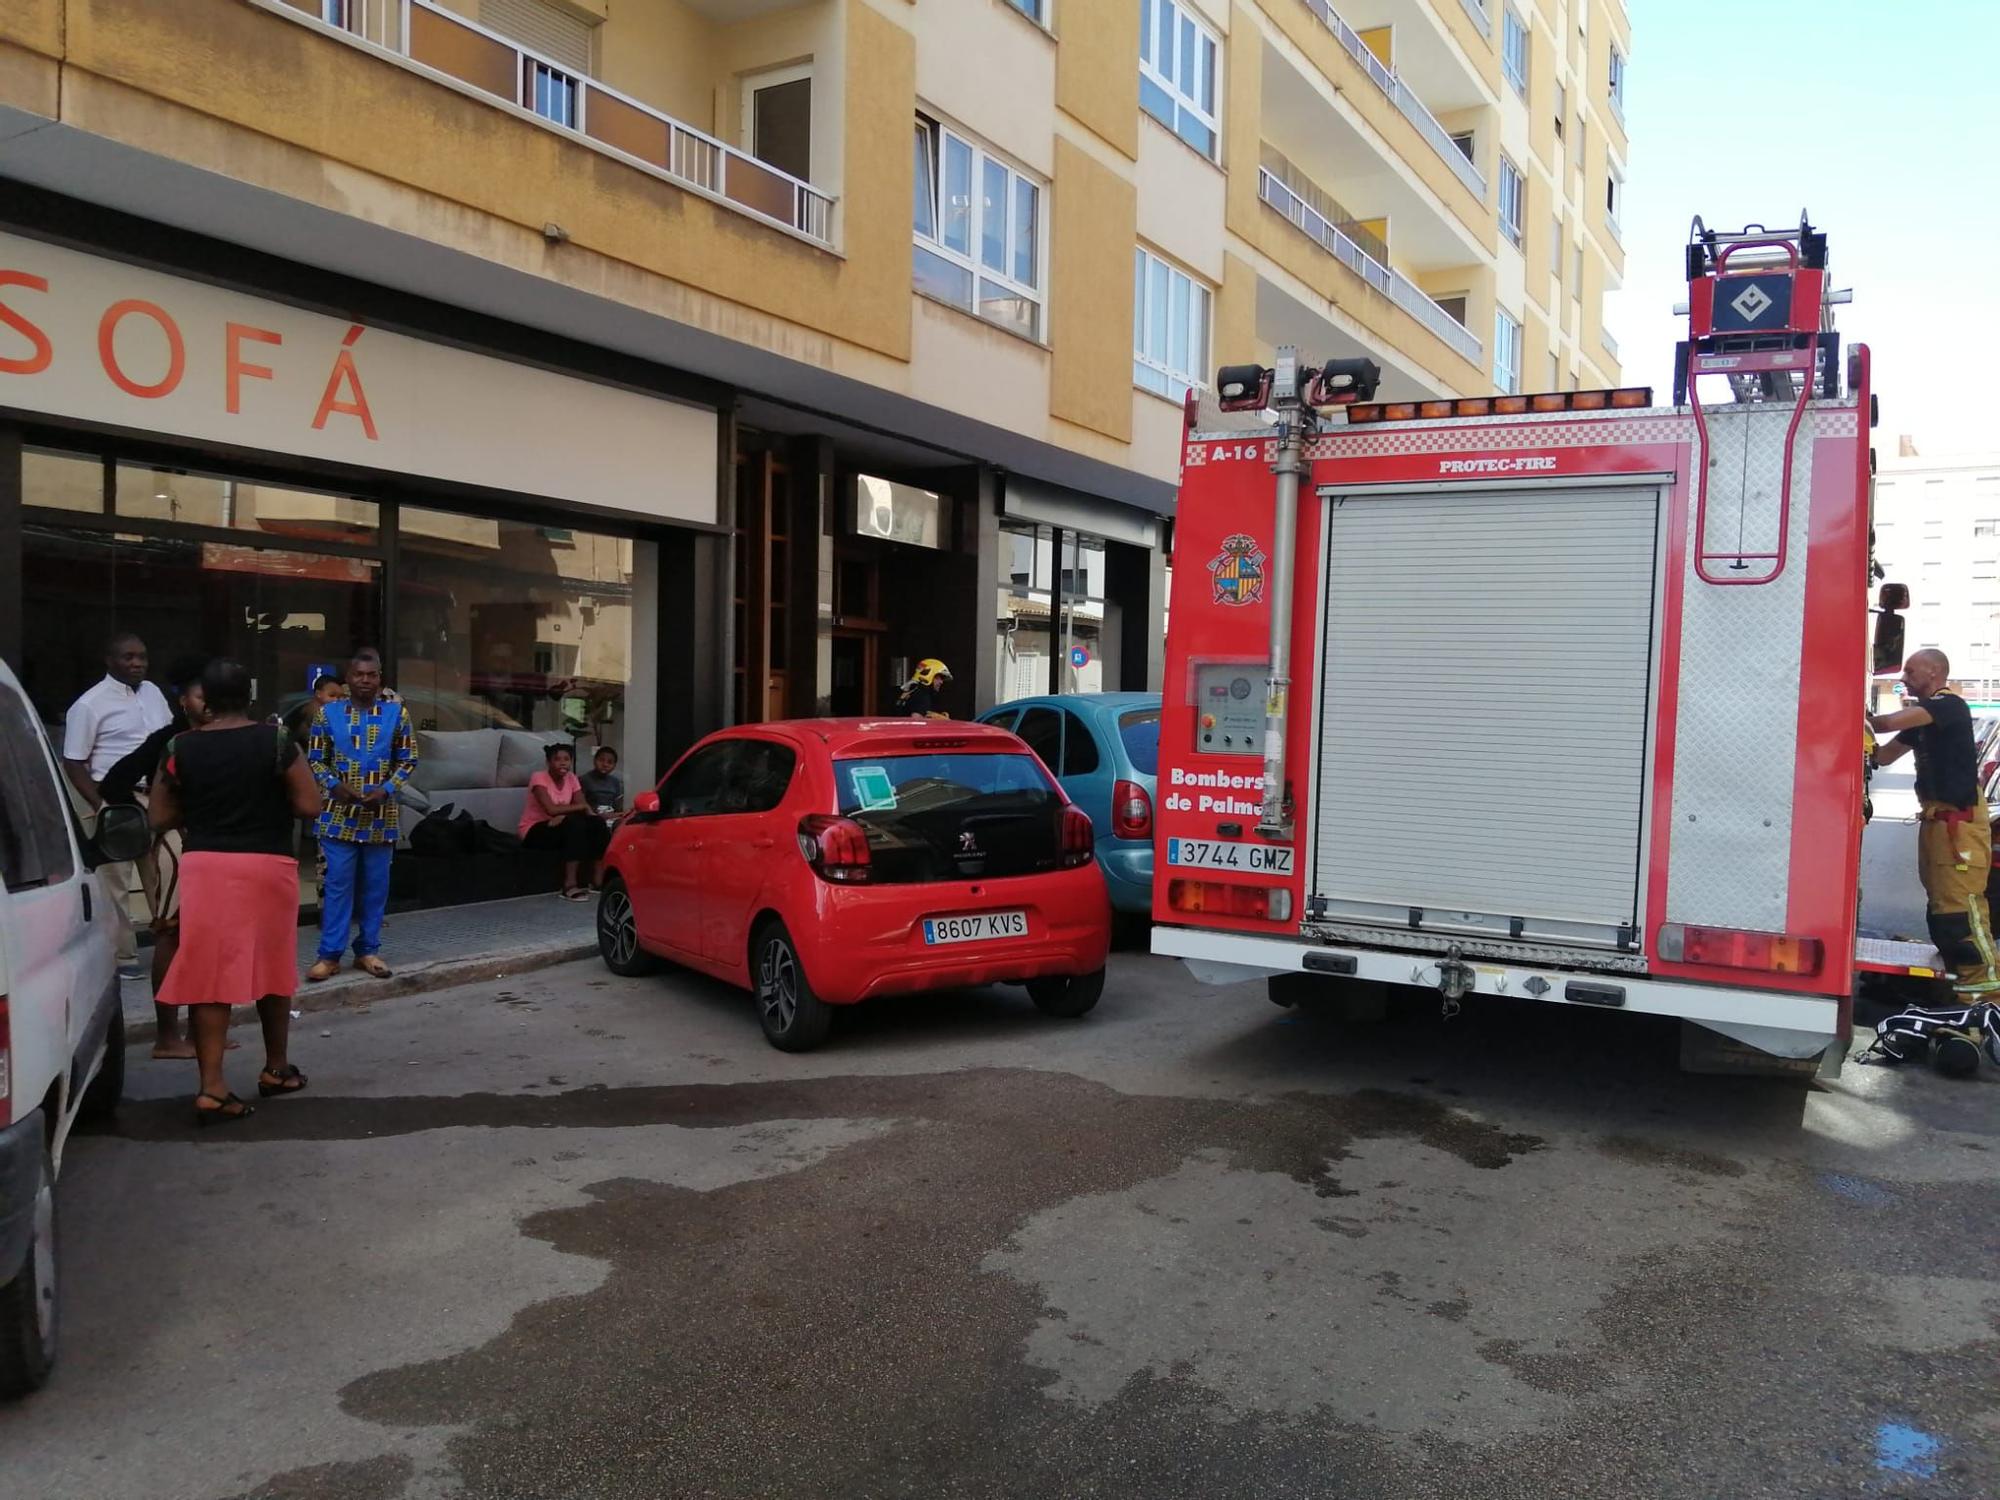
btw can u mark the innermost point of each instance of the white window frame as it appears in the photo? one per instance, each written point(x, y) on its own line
point(1615, 85)
point(1035, 10)
point(1168, 380)
point(747, 120)
point(1506, 353)
point(1160, 65)
point(1562, 108)
point(1514, 228)
point(1512, 26)
point(1614, 197)
point(969, 260)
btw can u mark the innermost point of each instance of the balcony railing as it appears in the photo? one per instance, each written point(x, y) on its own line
point(1384, 78)
point(1342, 246)
point(1323, 203)
point(1477, 10)
point(434, 38)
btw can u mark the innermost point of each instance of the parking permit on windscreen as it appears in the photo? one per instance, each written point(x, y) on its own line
point(873, 789)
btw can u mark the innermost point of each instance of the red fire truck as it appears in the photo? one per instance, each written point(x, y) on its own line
point(1555, 696)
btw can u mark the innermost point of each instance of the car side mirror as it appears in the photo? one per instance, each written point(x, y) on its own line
point(646, 806)
point(122, 834)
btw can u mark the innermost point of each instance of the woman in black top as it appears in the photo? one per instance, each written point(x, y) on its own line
point(233, 787)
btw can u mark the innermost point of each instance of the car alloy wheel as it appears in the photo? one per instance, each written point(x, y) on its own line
point(778, 985)
point(617, 928)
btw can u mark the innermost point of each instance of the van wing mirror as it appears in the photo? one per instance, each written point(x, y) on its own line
point(1888, 641)
point(122, 834)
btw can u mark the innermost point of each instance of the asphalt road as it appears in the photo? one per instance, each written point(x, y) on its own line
point(569, 1236)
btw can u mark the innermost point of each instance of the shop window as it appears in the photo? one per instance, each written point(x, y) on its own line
point(1079, 756)
point(62, 481)
point(505, 624)
point(977, 226)
point(147, 492)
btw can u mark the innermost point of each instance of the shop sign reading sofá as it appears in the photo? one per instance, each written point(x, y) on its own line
point(97, 340)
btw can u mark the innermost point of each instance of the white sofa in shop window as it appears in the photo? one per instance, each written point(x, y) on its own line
point(481, 771)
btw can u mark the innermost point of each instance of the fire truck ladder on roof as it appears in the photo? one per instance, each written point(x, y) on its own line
point(1756, 314)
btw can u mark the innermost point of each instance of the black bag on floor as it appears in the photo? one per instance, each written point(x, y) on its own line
point(444, 832)
point(490, 840)
point(1951, 1039)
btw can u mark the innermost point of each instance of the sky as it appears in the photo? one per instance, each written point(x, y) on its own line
point(1878, 119)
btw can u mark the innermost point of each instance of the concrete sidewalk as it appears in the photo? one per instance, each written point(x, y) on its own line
point(428, 950)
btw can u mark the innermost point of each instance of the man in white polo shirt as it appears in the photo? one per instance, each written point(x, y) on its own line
point(113, 718)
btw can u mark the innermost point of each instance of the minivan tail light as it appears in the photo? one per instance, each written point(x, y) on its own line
point(1726, 948)
point(1131, 811)
point(836, 848)
point(6, 1061)
point(1079, 840)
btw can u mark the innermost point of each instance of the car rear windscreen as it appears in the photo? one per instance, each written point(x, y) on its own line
point(1139, 728)
point(952, 817)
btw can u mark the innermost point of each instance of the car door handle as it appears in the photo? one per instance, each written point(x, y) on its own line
point(85, 888)
point(764, 843)
point(697, 845)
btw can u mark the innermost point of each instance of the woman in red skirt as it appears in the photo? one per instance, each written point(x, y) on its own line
point(234, 788)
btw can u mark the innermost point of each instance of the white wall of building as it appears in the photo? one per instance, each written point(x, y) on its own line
point(1937, 529)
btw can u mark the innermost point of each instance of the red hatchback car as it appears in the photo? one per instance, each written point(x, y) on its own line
point(822, 862)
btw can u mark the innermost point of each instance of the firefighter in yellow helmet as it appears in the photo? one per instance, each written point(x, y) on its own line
point(1954, 838)
point(920, 694)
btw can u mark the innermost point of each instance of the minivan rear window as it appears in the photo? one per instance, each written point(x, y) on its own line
point(1139, 728)
point(952, 817)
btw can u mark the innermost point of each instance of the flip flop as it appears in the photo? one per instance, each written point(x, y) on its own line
point(290, 1081)
point(227, 1107)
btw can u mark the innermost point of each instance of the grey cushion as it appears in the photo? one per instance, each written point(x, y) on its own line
point(522, 753)
point(449, 759)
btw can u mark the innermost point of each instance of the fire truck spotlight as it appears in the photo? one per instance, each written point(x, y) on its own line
point(1341, 381)
point(1242, 387)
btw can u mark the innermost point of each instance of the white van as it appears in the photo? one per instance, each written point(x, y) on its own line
point(62, 1027)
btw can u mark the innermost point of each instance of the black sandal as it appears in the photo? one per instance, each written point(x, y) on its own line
point(290, 1081)
point(227, 1107)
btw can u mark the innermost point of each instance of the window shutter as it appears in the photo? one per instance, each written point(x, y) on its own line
point(559, 34)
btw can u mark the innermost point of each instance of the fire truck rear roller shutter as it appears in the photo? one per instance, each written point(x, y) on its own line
point(1489, 659)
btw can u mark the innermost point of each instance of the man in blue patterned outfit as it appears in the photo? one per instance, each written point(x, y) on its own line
point(361, 750)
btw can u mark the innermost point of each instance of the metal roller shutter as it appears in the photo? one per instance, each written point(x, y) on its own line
point(560, 35)
point(1487, 674)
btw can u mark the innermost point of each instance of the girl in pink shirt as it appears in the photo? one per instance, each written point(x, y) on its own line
point(557, 816)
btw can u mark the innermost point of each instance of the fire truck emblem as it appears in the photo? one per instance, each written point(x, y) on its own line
point(1238, 571)
point(1752, 302)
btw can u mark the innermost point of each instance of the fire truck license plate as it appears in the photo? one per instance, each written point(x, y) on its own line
point(1211, 854)
point(976, 929)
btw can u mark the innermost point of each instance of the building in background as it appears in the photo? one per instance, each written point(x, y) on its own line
point(1937, 530)
point(628, 367)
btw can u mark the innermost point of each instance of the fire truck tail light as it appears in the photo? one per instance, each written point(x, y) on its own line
point(1722, 947)
point(1261, 903)
point(1627, 398)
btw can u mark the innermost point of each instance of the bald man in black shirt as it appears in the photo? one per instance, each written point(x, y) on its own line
point(1954, 836)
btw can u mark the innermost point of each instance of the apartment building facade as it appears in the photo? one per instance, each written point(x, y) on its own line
point(1937, 531)
point(628, 367)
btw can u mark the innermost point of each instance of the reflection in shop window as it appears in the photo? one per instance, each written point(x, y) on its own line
point(62, 481)
point(1034, 623)
point(145, 492)
point(502, 624)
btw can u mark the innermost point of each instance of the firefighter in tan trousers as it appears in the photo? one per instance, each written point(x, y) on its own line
point(1954, 837)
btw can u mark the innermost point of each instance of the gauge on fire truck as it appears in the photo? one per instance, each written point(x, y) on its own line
point(1228, 708)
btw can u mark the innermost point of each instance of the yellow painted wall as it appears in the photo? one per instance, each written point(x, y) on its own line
point(1234, 340)
point(28, 80)
point(662, 53)
point(1095, 220)
point(1536, 230)
point(1379, 40)
point(184, 81)
point(1534, 353)
point(36, 25)
point(1097, 69)
point(1542, 95)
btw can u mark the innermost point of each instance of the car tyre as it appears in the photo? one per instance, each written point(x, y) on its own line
point(794, 1018)
point(1066, 996)
point(28, 1300)
point(618, 932)
point(100, 1100)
